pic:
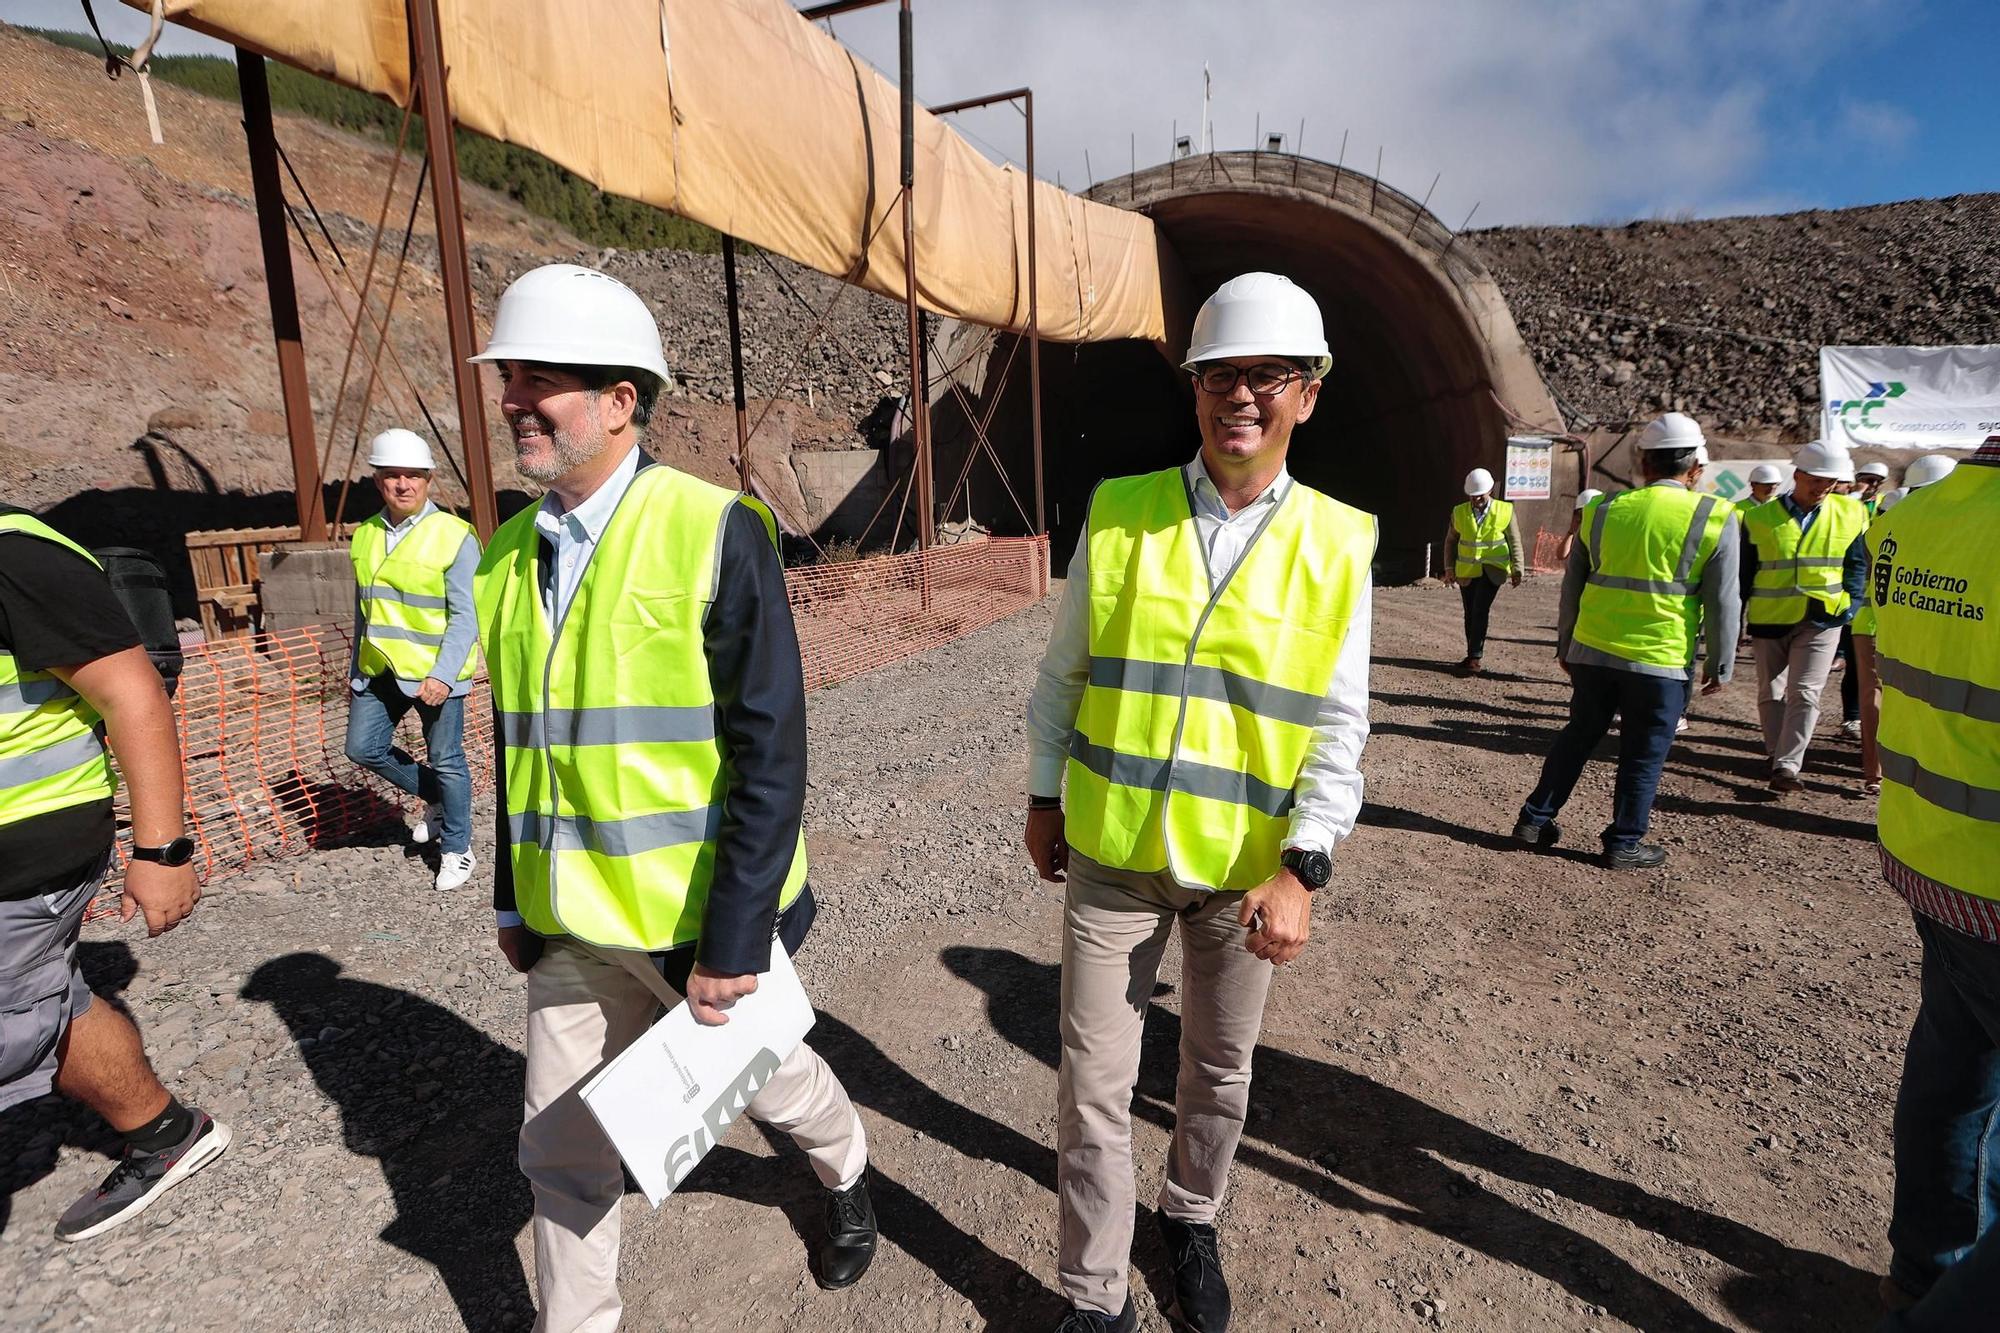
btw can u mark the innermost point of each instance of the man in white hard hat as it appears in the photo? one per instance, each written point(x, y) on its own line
point(414, 633)
point(1765, 478)
point(1869, 479)
point(1655, 569)
point(1195, 737)
point(1926, 471)
point(651, 754)
point(1803, 573)
point(1583, 497)
point(1482, 550)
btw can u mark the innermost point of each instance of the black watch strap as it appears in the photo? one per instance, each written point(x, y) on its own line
point(176, 853)
point(1314, 869)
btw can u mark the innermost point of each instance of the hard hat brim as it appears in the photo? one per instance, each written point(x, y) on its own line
point(1317, 362)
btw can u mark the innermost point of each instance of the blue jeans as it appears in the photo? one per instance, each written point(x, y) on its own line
point(445, 781)
point(1944, 1231)
point(1648, 707)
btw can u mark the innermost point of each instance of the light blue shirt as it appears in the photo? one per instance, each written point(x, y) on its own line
point(573, 534)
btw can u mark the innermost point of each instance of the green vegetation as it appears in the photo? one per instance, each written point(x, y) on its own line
point(531, 180)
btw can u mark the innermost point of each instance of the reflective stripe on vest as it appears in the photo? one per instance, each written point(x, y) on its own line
point(1201, 700)
point(1793, 565)
point(1648, 549)
point(50, 754)
point(615, 775)
point(403, 601)
point(1936, 588)
point(1482, 541)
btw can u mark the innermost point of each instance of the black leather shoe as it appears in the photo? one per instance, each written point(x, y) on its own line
point(1537, 835)
point(850, 1237)
point(1646, 856)
point(1094, 1321)
point(1201, 1297)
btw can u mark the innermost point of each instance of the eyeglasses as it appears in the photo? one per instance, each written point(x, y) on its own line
point(1265, 378)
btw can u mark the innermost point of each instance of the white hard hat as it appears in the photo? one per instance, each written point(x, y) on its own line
point(1820, 459)
point(1260, 314)
point(1766, 474)
point(568, 315)
point(1890, 498)
point(1872, 470)
point(1701, 454)
point(1675, 430)
point(1928, 471)
point(400, 448)
point(1584, 497)
point(1478, 481)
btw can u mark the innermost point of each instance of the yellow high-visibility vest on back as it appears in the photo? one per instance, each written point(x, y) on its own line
point(615, 774)
point(403, 594)
point(1648, 549)
point(1793, 566)
point(50, 754)
point(1482, 541)
point(1201, 703)
point(1936, 585)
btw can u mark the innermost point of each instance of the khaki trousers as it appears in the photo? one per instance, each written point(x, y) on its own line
point(1791, 671)
point(585, 1005)
point(1115, 928)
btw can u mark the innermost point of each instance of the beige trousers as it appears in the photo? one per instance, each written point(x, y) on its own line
point(1115, 928)
point(1791, 672)
point(585, 1005)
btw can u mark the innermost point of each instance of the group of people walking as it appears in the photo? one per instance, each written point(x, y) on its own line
point(1195, 734)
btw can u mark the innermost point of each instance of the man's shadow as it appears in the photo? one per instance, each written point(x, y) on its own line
point(1370, 1139)
point(438, 1103)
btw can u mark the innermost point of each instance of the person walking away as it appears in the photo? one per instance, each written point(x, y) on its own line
point(1868, 479)
point(1481, 551)
point(1805, 567)
point(414, 633)
point(1195, 735)
point(1655, 568)
point(1926, 471)
point(74, 680)
point(1935, 578)
point(650, 772)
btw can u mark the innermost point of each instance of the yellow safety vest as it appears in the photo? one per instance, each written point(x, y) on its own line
point(1794, 565)
point(1936, 586)
point(50, 755)
point(615, 774)
point(403, 594)
point(1193, 728)
point(1482, 541)
point(1648, 549)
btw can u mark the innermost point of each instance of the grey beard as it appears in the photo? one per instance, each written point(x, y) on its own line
point(566, 455)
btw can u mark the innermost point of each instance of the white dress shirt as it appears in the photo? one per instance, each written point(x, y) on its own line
point(573, 533)
point(1327, 796)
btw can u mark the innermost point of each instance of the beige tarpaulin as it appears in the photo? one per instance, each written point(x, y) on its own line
point(742, 115)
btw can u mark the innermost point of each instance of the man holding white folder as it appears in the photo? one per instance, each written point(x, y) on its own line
point(651, 764)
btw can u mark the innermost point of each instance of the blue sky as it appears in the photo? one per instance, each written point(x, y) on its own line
point(1535, 110)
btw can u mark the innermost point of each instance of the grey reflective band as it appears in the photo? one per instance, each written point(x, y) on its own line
point(1659, 587)
point(1690, 548)
point(1191, 779)
point(1804, 562)
point(1959, 798)
point(382, 592)
point(1206, 682)
point(18, 696)
point(615, 837)
point(22, 769)
point(634, 724)
point(1945, 693)
point(398, 632)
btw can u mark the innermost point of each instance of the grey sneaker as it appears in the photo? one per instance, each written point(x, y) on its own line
point(139, 1178)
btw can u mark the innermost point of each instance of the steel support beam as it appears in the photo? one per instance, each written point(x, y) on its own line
point(736, 362)
point(920, 407)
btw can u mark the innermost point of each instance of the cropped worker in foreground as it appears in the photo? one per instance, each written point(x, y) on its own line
point(1482, 550)
point(1935, 580)
point(651, 768)
point(1803, 571)
point(1926, 471)
point(414, 634)
point(73, 677)
point(1195, 738)
point(1655, 569)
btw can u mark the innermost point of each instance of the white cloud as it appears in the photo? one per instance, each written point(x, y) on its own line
point(1877, 124)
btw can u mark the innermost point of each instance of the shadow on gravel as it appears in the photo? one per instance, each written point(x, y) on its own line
point(1451, 669)
point(438, 1103)
point(1493, 737)
point(1762, 808)
point(1365, 1136)
point(1464, 704)
point(1375, 815)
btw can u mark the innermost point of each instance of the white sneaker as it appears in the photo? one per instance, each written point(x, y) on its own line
point(454, 869)
point(1851, 730)
point(431, 827)
point(1680, 726)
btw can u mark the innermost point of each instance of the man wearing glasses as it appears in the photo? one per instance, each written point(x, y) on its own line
point(1196, 732)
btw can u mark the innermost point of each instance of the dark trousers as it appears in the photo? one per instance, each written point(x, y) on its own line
point(1477, 594)
point(1943, 1234)
point(1850, 679)
point(1648, 707)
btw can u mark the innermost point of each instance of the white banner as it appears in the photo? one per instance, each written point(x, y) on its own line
point(1730, 477)
point(1530, 467)
point(1910, 397)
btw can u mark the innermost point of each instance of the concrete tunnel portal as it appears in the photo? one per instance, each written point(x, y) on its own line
point(1424, 353)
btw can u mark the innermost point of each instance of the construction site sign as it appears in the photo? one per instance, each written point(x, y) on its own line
point(1530, 467)
point(1730, 477)
point(1910, 397)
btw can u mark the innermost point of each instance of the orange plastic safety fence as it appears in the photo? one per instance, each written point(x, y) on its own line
point(1548, 552)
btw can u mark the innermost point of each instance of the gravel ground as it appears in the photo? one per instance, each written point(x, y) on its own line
point(1499, 1091)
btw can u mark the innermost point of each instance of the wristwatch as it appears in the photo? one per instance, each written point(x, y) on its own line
point(1314, 869)
point(176, 853)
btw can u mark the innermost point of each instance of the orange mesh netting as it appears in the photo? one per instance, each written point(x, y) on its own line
point(1548, 552)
